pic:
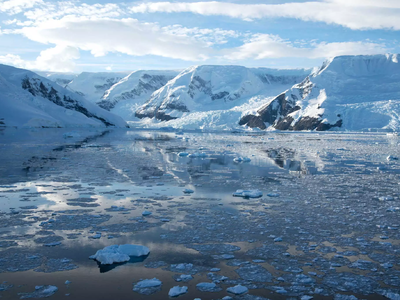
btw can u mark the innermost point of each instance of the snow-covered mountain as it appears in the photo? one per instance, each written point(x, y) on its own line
point(62, 79)
point(29, 100)
point(92, 86)
point(201, 89)
point(120, 93)
point(347, 92)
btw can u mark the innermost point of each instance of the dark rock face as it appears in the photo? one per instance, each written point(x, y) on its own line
point(277, 113)
point(37, 88)
point(253, 122)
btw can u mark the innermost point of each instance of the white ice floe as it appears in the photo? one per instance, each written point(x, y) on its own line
point(147, 283)
point(208, 287)
point(119, 253)
point(41, 291)
point(241, 159)
point(237, 289)
point(177, 290)
point(248, 193)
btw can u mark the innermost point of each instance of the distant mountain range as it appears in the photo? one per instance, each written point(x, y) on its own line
point(345, 93)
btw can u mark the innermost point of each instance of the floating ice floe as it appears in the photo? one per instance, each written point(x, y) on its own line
point(241, 159)
point(147, 286)
point(119, 253)
point(273, 195)
point(177, 290)
point(208, 287)
point(237, 289)
point(248, 193)
point(41, 291)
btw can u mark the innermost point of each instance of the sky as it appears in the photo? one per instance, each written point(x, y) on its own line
point(104, 36)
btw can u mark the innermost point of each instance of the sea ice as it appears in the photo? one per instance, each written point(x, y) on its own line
point(248, 193)
point(208, 287)
point(237, 290)
point(241, 159)
point(41, 291)
point(119, 253)
point(147, 286)
point(177, 290)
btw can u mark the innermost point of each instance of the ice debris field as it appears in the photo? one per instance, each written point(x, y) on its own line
point(124, 214)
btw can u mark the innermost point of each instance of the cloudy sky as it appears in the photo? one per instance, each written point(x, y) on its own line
point(99, 35)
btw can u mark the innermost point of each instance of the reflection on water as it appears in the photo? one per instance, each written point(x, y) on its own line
point(88, 190)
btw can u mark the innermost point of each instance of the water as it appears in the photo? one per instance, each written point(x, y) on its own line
point(332, 210)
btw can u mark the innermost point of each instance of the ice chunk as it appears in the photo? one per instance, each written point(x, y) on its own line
point(237, 290)
point(248, 193)
point(117, 254)
point(147, 286)
point(177, 290)
point(208, 287)
point(41, 291)
point(241, 159)
point(148, 283)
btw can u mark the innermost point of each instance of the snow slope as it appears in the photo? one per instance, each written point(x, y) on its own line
point(121, 93)
point(93, 85)
point(29, 100)
point(62, 79)
point(124, 97)
point(347, 92)
point(203, 94)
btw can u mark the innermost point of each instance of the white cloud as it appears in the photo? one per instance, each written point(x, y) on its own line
point(209, 36)
point(368, 14)
point(128, 36)
point(60, 9)
point(270, 46)
point(17, 6)
point(57, 59)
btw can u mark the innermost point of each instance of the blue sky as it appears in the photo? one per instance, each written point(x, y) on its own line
point(76, 36)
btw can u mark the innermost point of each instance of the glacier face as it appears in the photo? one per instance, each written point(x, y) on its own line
point(347, 92)
point(202, 89)
point(29, 100)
